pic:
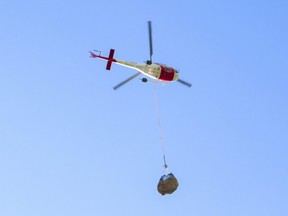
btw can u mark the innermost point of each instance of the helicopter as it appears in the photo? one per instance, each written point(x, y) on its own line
point(159, 73)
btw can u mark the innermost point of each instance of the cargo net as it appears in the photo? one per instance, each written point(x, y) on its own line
point(167, 184)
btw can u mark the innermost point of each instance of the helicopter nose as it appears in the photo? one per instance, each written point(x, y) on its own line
point(176, 75)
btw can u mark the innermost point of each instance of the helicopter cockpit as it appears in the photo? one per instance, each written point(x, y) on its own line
point(166, 68)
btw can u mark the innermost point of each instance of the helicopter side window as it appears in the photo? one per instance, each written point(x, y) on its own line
point(168, 70)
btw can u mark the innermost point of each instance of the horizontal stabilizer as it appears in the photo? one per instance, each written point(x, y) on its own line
point(110, 59)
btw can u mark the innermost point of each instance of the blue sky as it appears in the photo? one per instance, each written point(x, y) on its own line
point(70, 145)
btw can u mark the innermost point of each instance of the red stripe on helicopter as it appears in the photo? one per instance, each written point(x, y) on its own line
point(167, 73)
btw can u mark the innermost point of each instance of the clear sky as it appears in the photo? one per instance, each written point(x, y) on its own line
point(70, 145)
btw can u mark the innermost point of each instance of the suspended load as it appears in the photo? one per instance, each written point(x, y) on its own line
point(167, 184)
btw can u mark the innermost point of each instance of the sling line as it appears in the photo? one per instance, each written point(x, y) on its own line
point(159, 125)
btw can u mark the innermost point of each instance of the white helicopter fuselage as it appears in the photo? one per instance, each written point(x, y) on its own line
point(154, 71)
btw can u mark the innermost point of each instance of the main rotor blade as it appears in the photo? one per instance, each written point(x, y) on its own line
point(150, 39)
point(184, 82)
point(127, 80)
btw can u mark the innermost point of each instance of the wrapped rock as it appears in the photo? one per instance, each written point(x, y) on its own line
point(167, 184)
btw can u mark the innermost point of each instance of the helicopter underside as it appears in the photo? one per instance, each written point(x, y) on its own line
point(154, 71)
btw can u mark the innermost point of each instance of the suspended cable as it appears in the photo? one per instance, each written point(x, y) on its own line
point(159, 125)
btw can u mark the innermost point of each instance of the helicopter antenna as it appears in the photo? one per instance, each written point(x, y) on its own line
point(98, 51)
point(149, 62)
